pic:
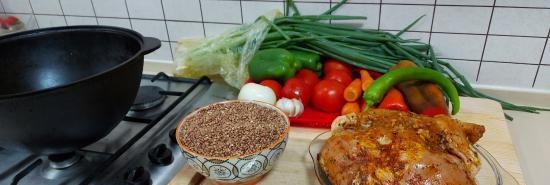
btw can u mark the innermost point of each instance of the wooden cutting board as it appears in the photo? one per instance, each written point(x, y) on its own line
point(295, 166)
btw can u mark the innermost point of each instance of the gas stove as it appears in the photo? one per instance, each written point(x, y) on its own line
point(140, 150)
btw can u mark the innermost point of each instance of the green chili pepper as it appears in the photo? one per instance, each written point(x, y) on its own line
point(308, 60)
point(380, 86)
point(275, 63)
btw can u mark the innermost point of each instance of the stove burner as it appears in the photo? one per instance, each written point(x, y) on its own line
point(138, 176)
point(62, 161)
point(148, 97)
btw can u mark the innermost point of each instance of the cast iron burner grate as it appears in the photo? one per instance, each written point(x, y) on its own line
point(148, 97)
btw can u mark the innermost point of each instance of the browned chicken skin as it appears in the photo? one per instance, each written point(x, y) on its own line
point(393, 147)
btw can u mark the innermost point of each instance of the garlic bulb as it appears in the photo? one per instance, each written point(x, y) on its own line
point(291, 107)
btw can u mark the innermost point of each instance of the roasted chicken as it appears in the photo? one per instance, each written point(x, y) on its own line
point(392, 147)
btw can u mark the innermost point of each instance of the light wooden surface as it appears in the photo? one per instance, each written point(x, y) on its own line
point(295, 166)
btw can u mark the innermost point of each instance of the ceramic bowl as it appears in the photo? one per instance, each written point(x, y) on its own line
point(235, 169)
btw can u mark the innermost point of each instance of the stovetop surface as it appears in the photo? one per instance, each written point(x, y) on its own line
point(139, 150)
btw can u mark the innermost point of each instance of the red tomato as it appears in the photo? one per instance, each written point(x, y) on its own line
point(309, 77)
point(328, 96)
point(340, 76)
point(274, 85)
point(297, 88)
point(334, 65)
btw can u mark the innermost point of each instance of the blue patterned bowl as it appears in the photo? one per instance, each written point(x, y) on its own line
point(236, 169)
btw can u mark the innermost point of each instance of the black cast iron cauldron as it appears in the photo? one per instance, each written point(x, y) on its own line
point(63, 88)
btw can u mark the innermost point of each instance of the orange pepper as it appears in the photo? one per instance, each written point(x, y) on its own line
point(350, 107)
point(353, 91)
point(394, 101)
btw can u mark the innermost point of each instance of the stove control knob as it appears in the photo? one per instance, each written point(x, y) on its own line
point(161, 155)
point(137, 176)
point(172, 135)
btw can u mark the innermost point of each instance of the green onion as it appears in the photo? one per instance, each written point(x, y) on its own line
point(366, 48)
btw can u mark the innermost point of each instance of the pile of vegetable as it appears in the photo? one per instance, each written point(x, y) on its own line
point(295, 36)
point(298, 81)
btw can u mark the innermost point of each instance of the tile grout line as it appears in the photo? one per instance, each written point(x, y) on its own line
point(284, 7)
point(241, 6)
point(432, 24)
point(202, 20)
point(167, 32)
point(63, 12)
point(3, 9)
point(379, 14)
point(128, 13)
point(541, 57)
point(32, 10)
point(329, 7)
point(95, 14)
point(485, 42)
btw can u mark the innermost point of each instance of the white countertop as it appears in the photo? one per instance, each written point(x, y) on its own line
point(530, 132)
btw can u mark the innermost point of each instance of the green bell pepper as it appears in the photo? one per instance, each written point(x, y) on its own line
point(276, 63)
point(309, 60)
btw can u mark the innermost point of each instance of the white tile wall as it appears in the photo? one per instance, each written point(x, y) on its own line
point(496, 42)
point(215, 28)
point(520, 21)
point(466, 2)
point(16, 6)
point(77, 7)
point(371, 11)
point(221, 11)
point(546, 57)
point(514, 49)
point(150, 28)
point(182, 10)
point(409, 1)
point(524, 3)
point(146, 9)
point(178, 30)
point(543, 78)
point(253, 9)
point(467, 68)
point(45, 21)
point(110, 8)
point(312, 8)
point(2, 11)
point(461, 19)
point(46, 6)
point(125, 23)
point(458, 46)
point(397, 17)
point(517, 75)
point(73, 20)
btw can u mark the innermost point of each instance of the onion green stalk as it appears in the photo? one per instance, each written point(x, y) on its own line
point(367, 48)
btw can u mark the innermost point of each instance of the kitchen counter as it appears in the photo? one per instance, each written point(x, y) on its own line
point(295, 166)
point(529, 132)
